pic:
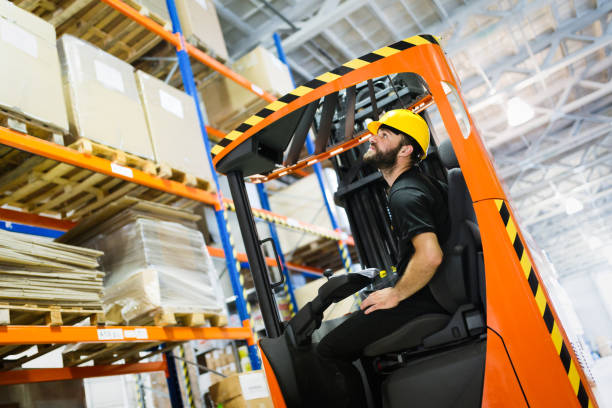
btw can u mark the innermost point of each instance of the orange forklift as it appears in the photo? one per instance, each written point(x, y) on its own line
point(501, 343)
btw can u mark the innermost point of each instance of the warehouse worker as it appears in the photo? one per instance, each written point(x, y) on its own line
point(420, 219)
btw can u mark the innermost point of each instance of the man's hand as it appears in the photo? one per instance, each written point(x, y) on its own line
point(386, 298)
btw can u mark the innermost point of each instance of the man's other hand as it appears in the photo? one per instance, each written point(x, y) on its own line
point(386, 298)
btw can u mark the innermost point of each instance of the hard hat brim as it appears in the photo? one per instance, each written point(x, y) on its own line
point(373, 126)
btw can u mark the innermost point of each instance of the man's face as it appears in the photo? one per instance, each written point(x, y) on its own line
point(383, 150)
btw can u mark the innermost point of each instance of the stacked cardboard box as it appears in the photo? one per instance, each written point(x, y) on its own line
point(228, 104)
point(172, 122)
point(30, 79)
point(102, 98)
point(245, 390)
point(201, 26)
point(222, 361)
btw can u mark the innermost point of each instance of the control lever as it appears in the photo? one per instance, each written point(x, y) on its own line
point(328, 273)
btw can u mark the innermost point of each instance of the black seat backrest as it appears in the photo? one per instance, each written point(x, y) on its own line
point(456, 281)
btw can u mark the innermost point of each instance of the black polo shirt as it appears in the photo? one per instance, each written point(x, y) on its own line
point(418, 204)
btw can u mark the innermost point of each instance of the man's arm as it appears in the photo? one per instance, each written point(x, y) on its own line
point(421, 268)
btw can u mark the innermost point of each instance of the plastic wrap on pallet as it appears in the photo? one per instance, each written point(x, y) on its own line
point(102, 98)
point(172, 122)
point(152, 265)
point(30, 79)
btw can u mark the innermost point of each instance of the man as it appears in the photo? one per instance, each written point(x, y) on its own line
point(420, 221)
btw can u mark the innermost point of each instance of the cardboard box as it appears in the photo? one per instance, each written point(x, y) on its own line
point(263, 69)
point(102, 98)
point(229, 104)
point(30, 76)
point(245, 390)
point(172, 122)
point(157, 7)
point(201, 25)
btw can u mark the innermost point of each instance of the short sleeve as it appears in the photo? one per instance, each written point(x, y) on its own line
point(412, 213)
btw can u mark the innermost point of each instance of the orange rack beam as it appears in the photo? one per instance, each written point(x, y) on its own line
point(63, 154)
point(17, 335)
point(179, 42)
point(35, 220)
point(71, 373)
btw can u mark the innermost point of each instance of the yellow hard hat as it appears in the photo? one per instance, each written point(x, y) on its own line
point(406, 122)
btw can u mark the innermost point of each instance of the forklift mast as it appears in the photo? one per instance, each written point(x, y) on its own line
point(529, 359)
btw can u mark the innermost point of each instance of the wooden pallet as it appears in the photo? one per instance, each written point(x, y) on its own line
point(32, 127)
point(25, 314)
point(108, 353)
point(48, 315)
point(322, 253)
point(41, 185)
point(172, 317)
point(99, 24)
point(115, 155)
point(165, 171)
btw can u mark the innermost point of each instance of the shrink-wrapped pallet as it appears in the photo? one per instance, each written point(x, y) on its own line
point(172, 122)
point(102, 98)
point(201, 27)
point(154, 265)
point(30, 79)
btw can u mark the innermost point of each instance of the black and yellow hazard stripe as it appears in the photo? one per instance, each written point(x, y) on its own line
point(545, 311)
point(346, 256)
point(186, 376)
point(321, 80)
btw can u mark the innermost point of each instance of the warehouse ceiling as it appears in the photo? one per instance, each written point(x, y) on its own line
point(548, 57)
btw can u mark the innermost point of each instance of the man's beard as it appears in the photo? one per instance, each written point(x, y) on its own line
point(382, 160)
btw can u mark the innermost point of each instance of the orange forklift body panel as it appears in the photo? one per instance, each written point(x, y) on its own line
point(529, 357)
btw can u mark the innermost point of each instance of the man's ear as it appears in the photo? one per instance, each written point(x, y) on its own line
point(406, 150)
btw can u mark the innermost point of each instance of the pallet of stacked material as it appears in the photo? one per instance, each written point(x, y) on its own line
point(229, 104)
point(158, 270)
point(31, 95)
point(44, 186)
point(102, 25)
point(44, 282)
point(102, 98)
point(201, 26)
point(172, 122)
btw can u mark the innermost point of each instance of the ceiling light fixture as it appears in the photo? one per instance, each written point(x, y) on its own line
point(573, 205)
point(518, 111)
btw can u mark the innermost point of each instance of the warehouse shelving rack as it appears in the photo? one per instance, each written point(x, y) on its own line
point(11, 335)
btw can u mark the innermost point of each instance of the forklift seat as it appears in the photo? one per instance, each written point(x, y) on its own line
point(458, 284)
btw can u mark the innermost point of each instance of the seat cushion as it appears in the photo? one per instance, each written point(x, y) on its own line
point(409, 335)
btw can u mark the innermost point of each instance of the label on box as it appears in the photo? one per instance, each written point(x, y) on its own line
point(19, 38)
point(203, 4)
point(253, 386)
point(257, 89)
point(124, 171)
point(110, 334)
point(140, 334)
point(109, 76)
point(170, 103)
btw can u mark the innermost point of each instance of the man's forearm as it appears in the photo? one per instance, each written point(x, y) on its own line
point(417, 274)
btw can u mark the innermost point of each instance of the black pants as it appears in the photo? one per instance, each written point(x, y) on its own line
point(346, 342)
